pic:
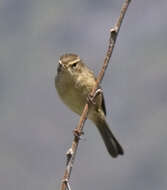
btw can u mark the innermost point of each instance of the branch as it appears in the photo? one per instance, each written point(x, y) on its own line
point(78, 131)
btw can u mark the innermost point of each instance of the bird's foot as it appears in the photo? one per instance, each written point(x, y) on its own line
point(91, 99)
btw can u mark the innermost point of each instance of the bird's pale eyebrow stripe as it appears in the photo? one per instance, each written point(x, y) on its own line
point(75, 61)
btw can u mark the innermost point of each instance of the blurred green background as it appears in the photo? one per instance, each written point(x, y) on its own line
point(36, 127)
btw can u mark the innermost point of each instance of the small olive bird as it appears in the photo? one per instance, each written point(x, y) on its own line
point(74, 83)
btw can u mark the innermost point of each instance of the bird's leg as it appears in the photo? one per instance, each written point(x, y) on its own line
point(91, 99)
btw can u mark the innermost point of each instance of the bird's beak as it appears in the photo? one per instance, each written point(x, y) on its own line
point(60, 66)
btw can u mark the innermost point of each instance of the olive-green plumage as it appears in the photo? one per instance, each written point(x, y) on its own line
point(74, 82)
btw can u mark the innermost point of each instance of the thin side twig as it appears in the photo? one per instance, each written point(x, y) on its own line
point(78, 131)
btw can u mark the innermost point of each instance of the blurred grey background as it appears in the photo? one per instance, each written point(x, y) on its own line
point(36, 128)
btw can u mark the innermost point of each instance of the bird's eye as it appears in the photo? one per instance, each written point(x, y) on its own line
point(74, 65)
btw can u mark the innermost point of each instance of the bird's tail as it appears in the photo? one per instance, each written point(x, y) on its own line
point(112, 145)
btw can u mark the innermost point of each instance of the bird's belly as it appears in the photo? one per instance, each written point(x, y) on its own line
point(75, 101)
point(74, 96)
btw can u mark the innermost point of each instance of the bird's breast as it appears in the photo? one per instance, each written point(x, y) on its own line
point(71, 93)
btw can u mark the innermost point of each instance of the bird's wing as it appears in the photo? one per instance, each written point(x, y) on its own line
point(103, 104)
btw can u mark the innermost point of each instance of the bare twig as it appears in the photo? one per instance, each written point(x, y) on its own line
point(78, 131)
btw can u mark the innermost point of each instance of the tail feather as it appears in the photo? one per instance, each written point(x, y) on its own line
point(112, 145)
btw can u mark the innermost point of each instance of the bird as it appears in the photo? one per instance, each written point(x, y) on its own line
point(74, 82)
